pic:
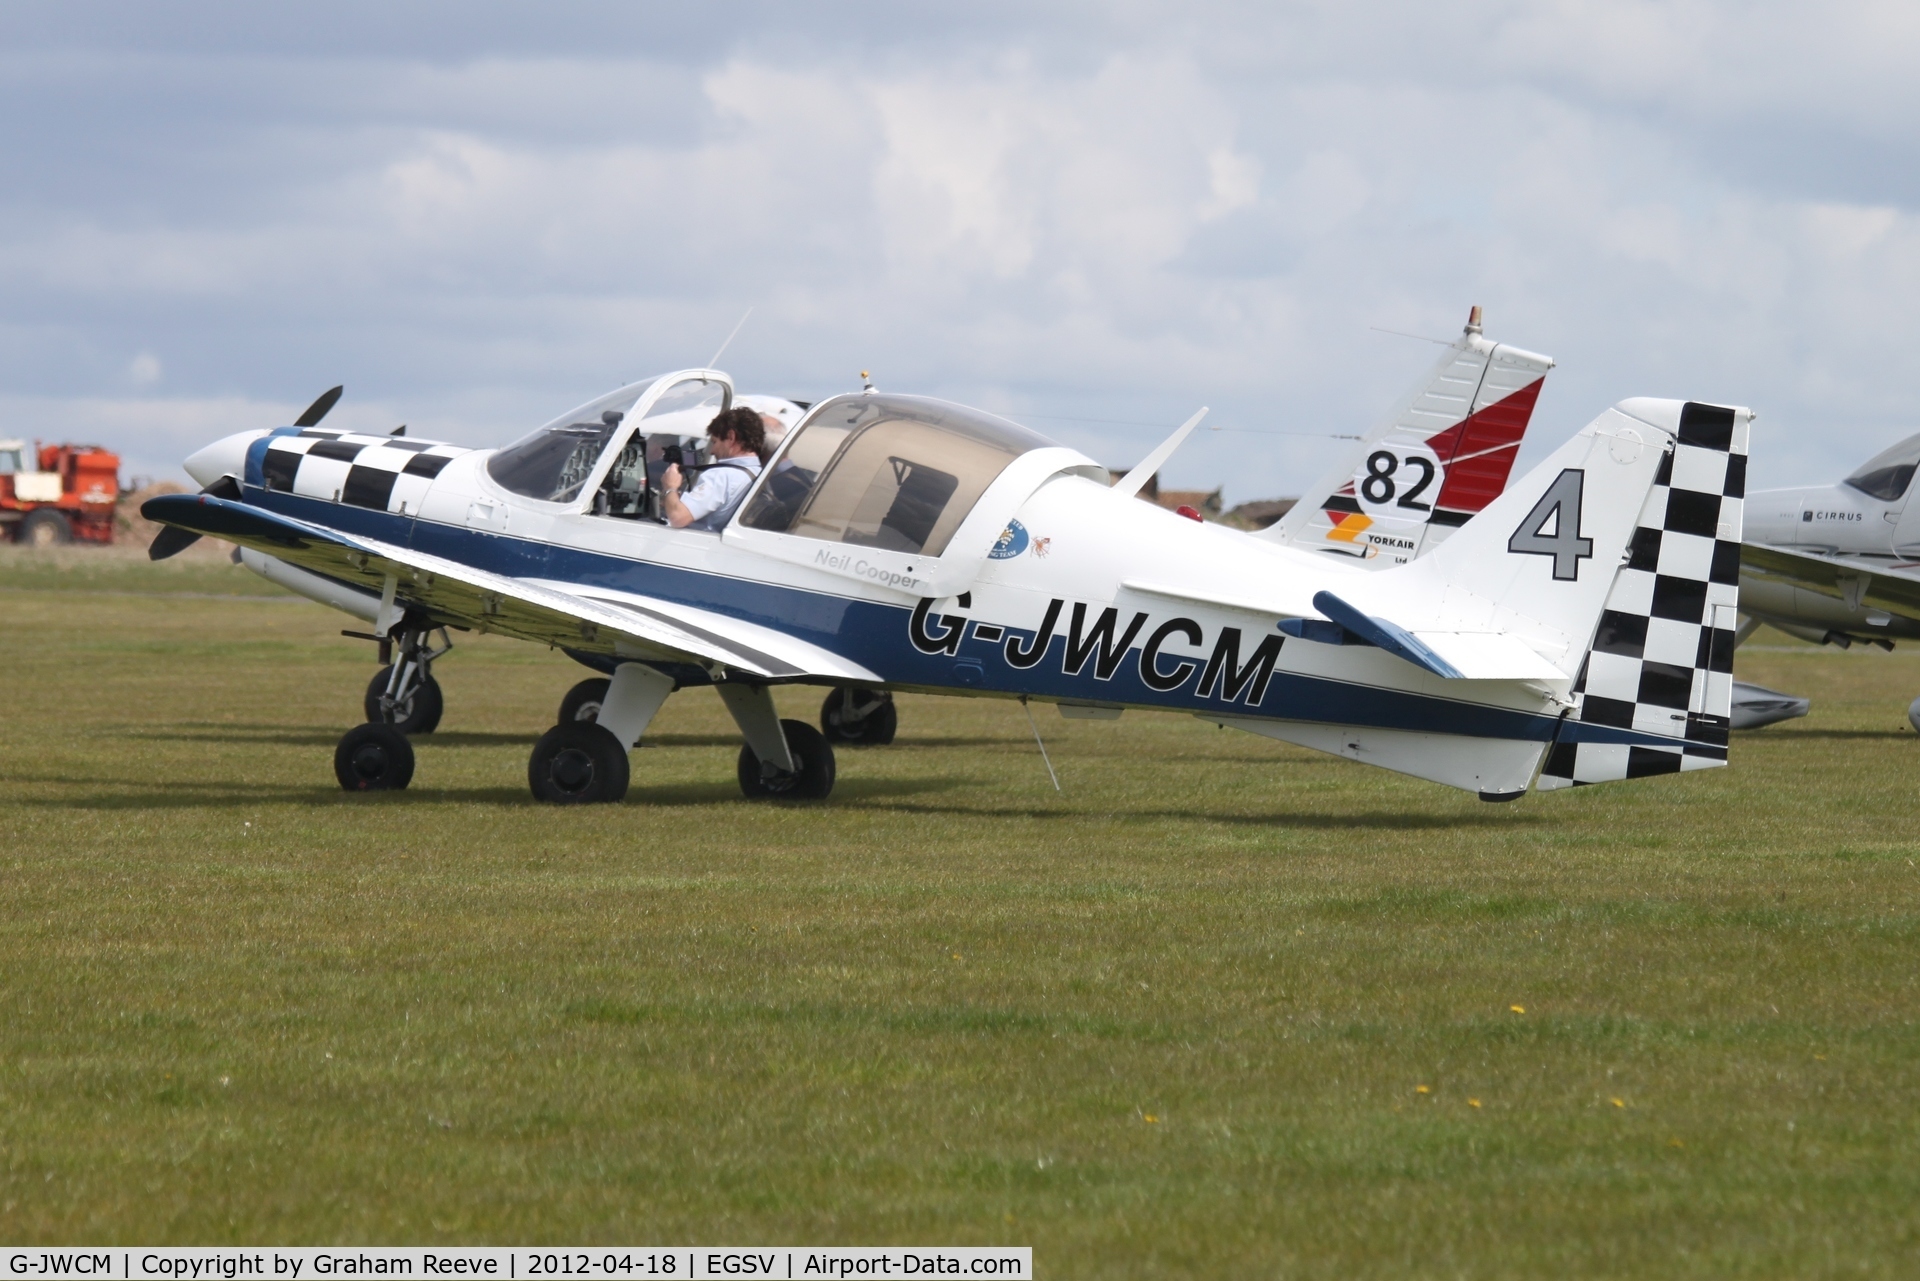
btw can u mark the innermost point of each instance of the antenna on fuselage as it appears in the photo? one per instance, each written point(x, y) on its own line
point(1136, 480)
point(715, 362)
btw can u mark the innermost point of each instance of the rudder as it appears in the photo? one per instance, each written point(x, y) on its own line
point(1655, 691)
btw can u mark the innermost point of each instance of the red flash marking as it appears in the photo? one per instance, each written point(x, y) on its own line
point(1478, 451)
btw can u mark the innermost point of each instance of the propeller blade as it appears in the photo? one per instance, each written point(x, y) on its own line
point(318, 409)
point(173, 540)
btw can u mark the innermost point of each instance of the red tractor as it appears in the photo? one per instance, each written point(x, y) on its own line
point(56, 493)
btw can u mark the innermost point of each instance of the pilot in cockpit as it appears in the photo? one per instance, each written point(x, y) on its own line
point(735, 440)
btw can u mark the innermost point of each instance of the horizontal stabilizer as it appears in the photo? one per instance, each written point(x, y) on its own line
point(1393, 638)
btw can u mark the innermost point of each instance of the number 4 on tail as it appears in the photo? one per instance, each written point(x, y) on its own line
point(1552, 528)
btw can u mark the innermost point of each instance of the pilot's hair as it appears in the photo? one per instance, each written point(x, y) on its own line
point(744, 426)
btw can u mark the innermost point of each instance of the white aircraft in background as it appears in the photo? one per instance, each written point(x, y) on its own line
point(1578, 629)
point(1835, 564)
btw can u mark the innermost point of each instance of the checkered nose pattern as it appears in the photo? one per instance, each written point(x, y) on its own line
point(377, 472)
point(1656, 691)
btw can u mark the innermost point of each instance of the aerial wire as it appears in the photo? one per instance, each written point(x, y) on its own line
point(715, 362)
point(1043, 747)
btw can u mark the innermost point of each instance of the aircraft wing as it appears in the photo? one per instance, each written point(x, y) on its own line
point(1874, 583)
point(595, 620)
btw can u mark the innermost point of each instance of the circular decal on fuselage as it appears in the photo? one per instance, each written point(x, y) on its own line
point(1013, 541)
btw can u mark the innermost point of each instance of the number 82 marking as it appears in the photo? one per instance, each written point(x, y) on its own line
point(1378, 486)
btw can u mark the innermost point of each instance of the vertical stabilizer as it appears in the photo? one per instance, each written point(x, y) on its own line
point(1442, 455)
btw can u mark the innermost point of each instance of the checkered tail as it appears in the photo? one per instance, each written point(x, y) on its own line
point(1655, 693)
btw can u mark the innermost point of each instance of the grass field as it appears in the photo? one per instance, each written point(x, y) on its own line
point(1222, 1007)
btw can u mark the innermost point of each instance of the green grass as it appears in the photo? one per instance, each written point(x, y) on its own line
point(1173, 1021)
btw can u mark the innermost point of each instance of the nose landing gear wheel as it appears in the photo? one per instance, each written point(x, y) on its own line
point(813, 781)
point(859, 717)
point(416, 711)
point(375, 757)
point(578, 763)
point(582, 702)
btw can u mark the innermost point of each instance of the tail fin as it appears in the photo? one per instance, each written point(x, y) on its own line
point(1655, 691)
point(1442, 455)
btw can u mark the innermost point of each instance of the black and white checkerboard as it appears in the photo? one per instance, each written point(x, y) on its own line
point(380, 472)
point(1661, 665)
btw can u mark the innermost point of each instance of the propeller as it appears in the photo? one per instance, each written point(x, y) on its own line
point(173, 540)
point(318, 409)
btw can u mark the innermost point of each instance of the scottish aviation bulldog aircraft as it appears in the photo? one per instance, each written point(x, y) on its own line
point(1444, 452)
point(1578, 629)
point(1835, 564)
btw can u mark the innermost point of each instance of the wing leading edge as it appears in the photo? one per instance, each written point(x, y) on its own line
point(617, 623)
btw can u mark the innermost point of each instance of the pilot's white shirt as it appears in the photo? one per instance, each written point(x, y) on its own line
point(719, 489)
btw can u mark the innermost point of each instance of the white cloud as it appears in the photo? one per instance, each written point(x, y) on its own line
point(1111, 217)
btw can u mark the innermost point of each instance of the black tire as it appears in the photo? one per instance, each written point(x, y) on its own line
point(44, 528)
point(875, 729)
point(578, 763)
point(813, 781)
point(582, 702)
point(419, 713)
point(375, 757)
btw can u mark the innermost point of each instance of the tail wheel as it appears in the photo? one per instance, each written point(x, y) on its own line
point(859, 717)
point(375, 757)
point(582, 702)
point(578, 763)
point(416, 711)
point(45, 528)
point(812, 781)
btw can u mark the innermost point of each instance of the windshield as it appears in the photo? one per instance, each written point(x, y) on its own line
point(1887, 474)
point(9, 462)
point(553, 463)
point(895, 472)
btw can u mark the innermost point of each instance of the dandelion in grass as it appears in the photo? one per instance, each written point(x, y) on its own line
point(1518, 1009)
point(1423, 1089)
point(1619, 1103)
point(1151, 1119)
point(1473, 1103)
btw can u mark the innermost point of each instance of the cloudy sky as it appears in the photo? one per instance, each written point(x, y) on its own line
point(1094, 217)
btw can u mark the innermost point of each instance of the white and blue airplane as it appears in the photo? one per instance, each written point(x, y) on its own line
point(1578, 629)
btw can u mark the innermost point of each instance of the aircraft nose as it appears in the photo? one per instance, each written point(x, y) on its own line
point(224, 457)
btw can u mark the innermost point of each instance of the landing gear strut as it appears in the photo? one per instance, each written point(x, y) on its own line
point(403, 693)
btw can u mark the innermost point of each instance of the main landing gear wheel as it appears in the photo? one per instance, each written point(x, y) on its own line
point(375, 757)
point(813, 781)
point(416, 710)
point(582, 702)
point(578, 763)
point(859, 717)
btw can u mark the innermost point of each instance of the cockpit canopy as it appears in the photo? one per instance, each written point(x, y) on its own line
point(554, 463)
point(894, 472)
point(1887, 474)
